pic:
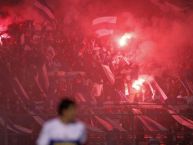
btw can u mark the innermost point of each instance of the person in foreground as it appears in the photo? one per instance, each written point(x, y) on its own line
point(63, 130)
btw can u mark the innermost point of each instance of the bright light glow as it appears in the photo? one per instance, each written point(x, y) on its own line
point(126, 89)
point(124, 39)
point(5, 36)
point(137, 84)
point(1, 43)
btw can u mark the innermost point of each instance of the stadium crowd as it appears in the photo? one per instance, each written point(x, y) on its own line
point(40, 63)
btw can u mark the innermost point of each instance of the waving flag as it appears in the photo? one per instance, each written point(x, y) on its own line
point(181, 119)
point(164, 97)
point(110, 76)
point(44, 8)
point(104, 123)
point(22, 129)
point(104, 26)
point(150, 124)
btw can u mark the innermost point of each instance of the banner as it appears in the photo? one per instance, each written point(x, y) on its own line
point(104, 26)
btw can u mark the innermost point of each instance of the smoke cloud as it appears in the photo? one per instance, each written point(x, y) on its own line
point(163, 28)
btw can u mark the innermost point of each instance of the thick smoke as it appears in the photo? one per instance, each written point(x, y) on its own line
point(15, 11)
point(167, 41)
point(163, 28)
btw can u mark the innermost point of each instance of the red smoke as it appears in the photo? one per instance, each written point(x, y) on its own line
point(163, 28)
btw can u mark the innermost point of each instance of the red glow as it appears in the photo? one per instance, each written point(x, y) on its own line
point(3, 28)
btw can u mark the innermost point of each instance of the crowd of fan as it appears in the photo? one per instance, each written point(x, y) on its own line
point(48, 62)
point(43, 63)
point(42, 57)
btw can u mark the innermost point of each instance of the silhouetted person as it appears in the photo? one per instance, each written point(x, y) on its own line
point(63, 130)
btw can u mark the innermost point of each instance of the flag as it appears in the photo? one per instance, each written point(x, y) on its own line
point(164, 96)
point(150, 124)
point(100, 20)
point(38, 119)
point(110, 76)
point(22, 129)
point(104, 32)
point(21, 89)
point(121, 95)
point(181, 119)
point(104, 123)
point(94, 129)
point(44, 8)
point(152, 91)
point(104, 26)
point(7, 125)
point(185, 86)
point(97, 89)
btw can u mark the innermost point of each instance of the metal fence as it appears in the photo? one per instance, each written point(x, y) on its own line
point(10, 134)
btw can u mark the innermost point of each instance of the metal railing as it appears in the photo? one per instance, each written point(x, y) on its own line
point(9, 136)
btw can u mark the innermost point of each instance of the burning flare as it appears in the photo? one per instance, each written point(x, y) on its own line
point(137, 84)
point(124, 39)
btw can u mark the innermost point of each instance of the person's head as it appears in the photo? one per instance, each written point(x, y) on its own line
point(67, 110)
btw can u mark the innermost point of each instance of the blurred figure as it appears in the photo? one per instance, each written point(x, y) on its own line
point(63, 130)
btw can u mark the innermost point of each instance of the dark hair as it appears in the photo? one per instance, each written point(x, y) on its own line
point(64, 105)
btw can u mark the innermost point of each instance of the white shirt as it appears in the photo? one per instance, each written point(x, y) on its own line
point(56, 132)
